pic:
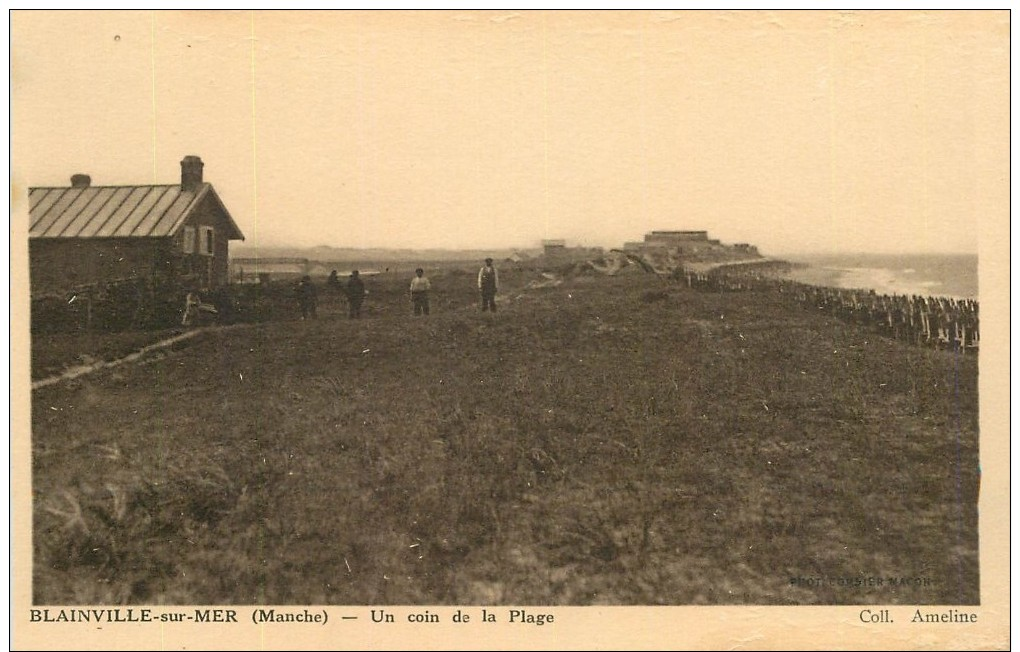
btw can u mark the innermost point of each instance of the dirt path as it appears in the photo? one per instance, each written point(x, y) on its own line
point(82, 370)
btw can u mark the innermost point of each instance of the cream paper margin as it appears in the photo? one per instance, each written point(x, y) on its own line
point(745, 627)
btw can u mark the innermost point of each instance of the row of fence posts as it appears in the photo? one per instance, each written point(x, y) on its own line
point(936, 322)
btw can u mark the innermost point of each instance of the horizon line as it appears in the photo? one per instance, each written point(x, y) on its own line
point(507, 247)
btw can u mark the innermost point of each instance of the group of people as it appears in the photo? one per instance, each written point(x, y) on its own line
point(355, 292)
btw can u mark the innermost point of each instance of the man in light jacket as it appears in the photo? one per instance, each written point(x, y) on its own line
point(420, 287)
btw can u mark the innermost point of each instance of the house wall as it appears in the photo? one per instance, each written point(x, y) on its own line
point(58, 264)
point(209, 271)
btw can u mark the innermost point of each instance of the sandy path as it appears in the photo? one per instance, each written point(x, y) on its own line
point(82, 370)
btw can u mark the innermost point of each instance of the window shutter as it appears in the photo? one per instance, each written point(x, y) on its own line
point(188, 240)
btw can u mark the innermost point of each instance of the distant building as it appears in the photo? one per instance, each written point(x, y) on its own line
point(554, 247)
point(83, 234)
point(252, 270)
point(672, 248)
point(694, 235)
point(557, 252)
point(674, 238)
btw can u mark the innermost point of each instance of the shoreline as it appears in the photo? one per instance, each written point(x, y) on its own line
point(882, 280)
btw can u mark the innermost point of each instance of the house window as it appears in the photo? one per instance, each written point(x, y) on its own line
point(188, 240)
point(206, 240)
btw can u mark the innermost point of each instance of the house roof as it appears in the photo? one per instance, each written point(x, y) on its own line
point(117, 211)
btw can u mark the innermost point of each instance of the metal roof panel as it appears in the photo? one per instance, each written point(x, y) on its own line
point(168, 220)
point(87, 214)
point(55, 212)
point(118, 211)
point(154, 214)
point(123, 211)
point(41, 209)
point(103, 213)
point(152, 195)
point(35, 195)
point(71, 213)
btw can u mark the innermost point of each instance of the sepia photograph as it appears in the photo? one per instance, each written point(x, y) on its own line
point(361, 320)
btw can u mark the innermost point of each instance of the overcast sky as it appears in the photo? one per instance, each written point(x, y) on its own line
point(812, 131)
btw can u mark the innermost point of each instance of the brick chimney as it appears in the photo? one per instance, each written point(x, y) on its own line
point(80, 180)
point(191, 173)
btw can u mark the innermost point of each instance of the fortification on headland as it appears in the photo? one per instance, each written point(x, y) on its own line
point(663, 252)
point(692, 247)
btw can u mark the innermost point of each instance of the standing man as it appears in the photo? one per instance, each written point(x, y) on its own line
point(307, 297)
point(488, 285)
point(355, 295)
point(333, 283)
point(420, 287)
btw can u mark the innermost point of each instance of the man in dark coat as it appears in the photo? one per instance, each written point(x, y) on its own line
point(355, 295)
point(307, 297)
point(333, 282)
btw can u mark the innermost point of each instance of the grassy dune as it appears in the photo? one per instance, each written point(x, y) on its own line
point(606, 441)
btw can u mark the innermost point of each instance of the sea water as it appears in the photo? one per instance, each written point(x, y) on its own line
point(945, 275)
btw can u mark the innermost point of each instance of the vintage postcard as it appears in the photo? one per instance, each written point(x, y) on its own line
point(480, 329)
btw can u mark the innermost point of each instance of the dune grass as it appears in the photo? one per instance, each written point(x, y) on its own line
point(606, 441)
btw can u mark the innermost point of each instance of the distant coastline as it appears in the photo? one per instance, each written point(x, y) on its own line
point(948, 275)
